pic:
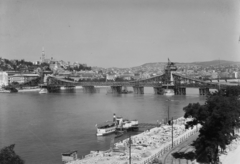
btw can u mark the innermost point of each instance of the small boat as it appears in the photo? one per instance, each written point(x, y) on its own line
point(168, 92)
point(69, 156)
point(126, 92)
point(43, 90)
point(106, 128)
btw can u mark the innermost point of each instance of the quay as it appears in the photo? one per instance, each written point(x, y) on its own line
point(143, 148)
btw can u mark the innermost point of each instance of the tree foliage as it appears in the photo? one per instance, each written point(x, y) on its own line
point(8, 156)
point(219, 116)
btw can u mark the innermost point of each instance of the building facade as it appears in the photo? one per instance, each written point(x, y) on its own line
point(3, 79)
point(23, 78)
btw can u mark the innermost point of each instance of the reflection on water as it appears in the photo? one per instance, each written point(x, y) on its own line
point(44, 125)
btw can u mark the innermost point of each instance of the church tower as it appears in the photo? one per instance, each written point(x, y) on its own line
point(43, 55)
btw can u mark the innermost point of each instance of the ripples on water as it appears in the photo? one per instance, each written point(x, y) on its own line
point(45, 125)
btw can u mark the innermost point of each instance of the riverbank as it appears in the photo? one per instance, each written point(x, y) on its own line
point(5, 91)
point(36, 89)
point(145, 147)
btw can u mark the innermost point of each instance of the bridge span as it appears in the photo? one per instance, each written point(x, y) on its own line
point(169, 80)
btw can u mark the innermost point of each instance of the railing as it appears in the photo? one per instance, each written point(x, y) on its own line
point(168, 146)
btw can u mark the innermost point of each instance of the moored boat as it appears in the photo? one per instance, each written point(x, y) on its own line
point(43, 90)
point(168, 92)
point(106, 128)
point(118, 124)
point(126, 124)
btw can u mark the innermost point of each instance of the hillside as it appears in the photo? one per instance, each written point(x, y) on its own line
point(159, 66)
point(204, 64)
point(215, 63)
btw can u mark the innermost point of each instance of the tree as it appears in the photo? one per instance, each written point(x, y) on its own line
point(8, 156)
point(219, 116)
point(15, 83)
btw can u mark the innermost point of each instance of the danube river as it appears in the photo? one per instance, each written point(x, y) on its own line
point(42, 126)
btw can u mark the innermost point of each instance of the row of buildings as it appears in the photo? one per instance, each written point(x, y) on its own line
point(10, 77)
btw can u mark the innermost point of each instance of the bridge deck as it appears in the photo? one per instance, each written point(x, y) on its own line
point(151, 82)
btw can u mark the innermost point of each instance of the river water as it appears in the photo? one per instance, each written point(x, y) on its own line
point(42, 126)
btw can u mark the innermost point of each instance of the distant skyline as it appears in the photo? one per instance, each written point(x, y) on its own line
point(120, 33)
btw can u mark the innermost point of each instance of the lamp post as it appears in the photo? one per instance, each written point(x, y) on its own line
point(172, 132)
point(170, 121)
point(130, 142)
point(168, 108)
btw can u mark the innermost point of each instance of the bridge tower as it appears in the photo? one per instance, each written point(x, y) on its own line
point(169, 82)
point(170, 68)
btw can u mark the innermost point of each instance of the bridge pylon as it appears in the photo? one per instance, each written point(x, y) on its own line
point(180, 91)
point(138, 89)
point(89, 89)
point(158, 90)
point(116, 89)
point(204, 91)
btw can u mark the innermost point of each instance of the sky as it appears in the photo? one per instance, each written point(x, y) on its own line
point(120, 33)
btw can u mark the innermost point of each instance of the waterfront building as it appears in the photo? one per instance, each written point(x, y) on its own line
point(137, 76)
point(65, 73)
point(145, 75)
point(224, 75)
point(214, 75)
point(86, 76)
point(10, 74)
point(3, 79)
point(23, 78)
point(127, 76)
point(111, 76)
point(235, 75)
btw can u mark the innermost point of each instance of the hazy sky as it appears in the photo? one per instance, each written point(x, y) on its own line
point(120, 33)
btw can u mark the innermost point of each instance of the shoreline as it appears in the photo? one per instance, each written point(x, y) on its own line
point(145, 147)
point(29, 90)
point(5, 91)
point(37, 89)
